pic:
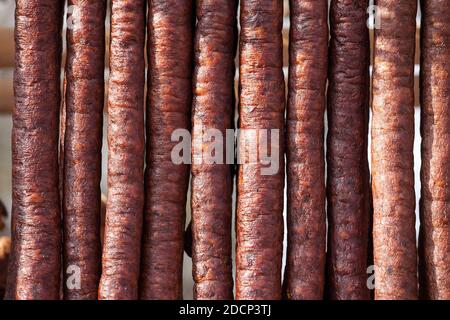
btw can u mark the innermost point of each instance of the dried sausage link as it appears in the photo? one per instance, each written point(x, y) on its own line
point(34, 271)
point(123, 222)
point(347, 179)
point(259, 217)
point(213, 104)
point(394, 236)
point(435, 127)
point(82, 147)
point(305, 264)
point(169, 99)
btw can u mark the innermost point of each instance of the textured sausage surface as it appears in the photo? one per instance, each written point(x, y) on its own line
point(170, 42)
point(305, 265)
point(123, 222)
point(82, 147)
point(394, 236)
point(259, 219)
point(213, 105)
point(347, 183)
point(435, 127)
point(34, 271)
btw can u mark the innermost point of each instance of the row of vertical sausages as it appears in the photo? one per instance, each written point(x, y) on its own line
point(191, 47)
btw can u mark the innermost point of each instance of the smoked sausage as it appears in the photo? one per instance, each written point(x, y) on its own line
point(435, 128)
point(305, 264)
point(259, 215)
point(394, 236)
point(169, 99)
point(82, 147)
point(123, 222)
point(34, 270)
point(347, 178)
point(213, 104)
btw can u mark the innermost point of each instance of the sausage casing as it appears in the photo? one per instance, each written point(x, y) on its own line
point(82, 148)
point(435, 128)
point(259, 217)
point(305, 264)
point(213, 105)
point(34, 271)
point(347, 178)
point(394, 236)
point(169, 98)
point(123, 222)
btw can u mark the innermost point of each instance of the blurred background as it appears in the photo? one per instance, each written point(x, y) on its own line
point(7, 102)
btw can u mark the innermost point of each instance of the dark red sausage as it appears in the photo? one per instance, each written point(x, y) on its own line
point(347, 179)
point(259, 217)
point(305, 265)
point(169, 98)
point(82, 147)
point(121, 249)
point(394, 236)
point(213, 104)
point(34, 271)
point(435, 127)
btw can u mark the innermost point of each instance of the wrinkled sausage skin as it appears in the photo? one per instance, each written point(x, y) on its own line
point(259, 217)
point(213, 105)
point(435, 128)
point(169, 99)
point(82, 147)
point(123, 222)
point(394, 236)
point(305, 264)
point(348, 178)
point(34, 271)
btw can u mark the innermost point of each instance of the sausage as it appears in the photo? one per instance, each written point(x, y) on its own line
point(259, 217)
point(305, 264)
point(82, 147)
point(123, 225)
point(347, 183)
point(169, 98)
point(394, 236)
point(213, 84)
point(435, 128)
point(34, 270)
